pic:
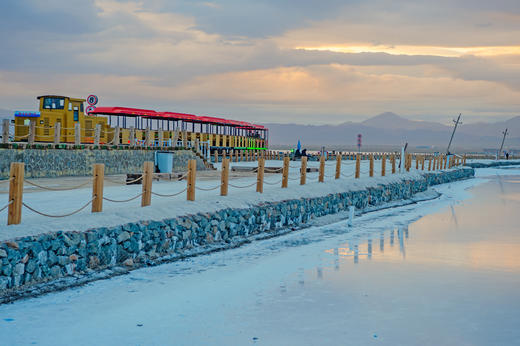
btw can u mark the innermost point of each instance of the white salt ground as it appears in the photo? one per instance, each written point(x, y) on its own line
point(63, 202)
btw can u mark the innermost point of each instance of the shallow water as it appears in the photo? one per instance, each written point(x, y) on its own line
point(443, 272)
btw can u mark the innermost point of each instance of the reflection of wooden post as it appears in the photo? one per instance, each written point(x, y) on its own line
point(224, 179)
point(97, 134)
point(285, 172)
point(303, 171)
point(371, 165)
point(77, 134)
point(146, 198)
point(322, 169)
point(32, 131)
point(57, 133)
point(192, 176)
point(14, 213)
point(132, 136)
point(392, 158)
point(358, 165)
point(98, 173)
point(338, 166)
point(260, 175)
point(383, 165)
point(5, 131)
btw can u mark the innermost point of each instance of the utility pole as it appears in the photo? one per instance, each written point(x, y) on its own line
point(457, 122)
point(502, 145)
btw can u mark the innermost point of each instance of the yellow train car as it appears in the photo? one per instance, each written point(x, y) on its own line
point(68, 112)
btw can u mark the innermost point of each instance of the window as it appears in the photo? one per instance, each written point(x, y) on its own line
point(53, 103)
point(76, 114)
point(81, 107)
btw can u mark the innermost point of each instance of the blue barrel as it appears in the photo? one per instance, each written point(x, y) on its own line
point(164, 162)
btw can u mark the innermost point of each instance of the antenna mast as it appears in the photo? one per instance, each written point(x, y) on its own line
point(457, 122)
point(502, 145)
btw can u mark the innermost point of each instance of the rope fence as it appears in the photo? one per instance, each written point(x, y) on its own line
point(17, 181)
point(58, 216)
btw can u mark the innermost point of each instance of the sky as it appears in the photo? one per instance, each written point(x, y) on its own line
point(304, 61)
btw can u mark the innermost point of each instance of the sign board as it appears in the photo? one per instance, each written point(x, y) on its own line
point(90, 109)
point(92, 100)
point(359, 141)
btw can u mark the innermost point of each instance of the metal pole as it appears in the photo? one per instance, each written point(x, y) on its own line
point(502, 145)
point(453, 133)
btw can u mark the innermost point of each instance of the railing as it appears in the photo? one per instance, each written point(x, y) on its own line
point(17, 181)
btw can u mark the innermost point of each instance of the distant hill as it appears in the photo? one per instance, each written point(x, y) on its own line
point(390, 129)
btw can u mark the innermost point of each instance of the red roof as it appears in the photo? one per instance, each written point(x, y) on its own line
point(149, 113)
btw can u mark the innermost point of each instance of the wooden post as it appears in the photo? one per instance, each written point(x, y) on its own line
point(98, 173)
point(260, 175)
point(192, 176)
point(371, 165)
point(132, 136)
point(77, 134)
point(117, 132)
point(32, 131)
point(409, 157)
point(176, 136)
point(224, 178)
point(57, 133)
point(464, 160)
point(148, 137)
point(429, 163)
point(422, 162)
point(338, 166)
point(14, 216)
point(285, 172)
point(161, 141)
point(392, 159)
point(358, 165)
point(241, 155)
point(97, 134)
point(416, 162)
point(303, 171)
point(185, 139)
point(322, 169)
point(236, 155)
point(146, 198)
point(383, 165)
point(216, 155)
point(5, 131)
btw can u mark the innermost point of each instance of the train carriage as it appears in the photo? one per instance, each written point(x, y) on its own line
point(216, 133)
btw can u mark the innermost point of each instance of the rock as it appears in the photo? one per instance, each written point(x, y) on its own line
point(129, 262)
point(63, 260)
point(73, 257)
point(53, 259)
point(3, 253)
point(4, 283)
point(12, 245)
point(25, 258)
point(69, 268)
point(123, 236)
point(42, 257)
point(19, 269)
point(93, 262)
point(55, 271)
point(7, 269)
point(31, 266)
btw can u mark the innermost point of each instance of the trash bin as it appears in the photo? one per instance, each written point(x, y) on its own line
point(164, 161)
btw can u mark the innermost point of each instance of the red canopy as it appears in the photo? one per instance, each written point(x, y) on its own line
point(123, 111)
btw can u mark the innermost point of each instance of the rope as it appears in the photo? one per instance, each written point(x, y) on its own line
point(5, 206)
point(242, 187)
point(125, 183)
point(65, 215)
point(57, 189)
point(273, 183)
point(348, 175)
point(296, 178)
point(122, 201)
point(172, 195)
point(22, 137)
point(209, 189)
point(5, 181)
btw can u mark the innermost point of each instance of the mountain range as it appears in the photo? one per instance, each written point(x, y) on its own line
point(391, 130)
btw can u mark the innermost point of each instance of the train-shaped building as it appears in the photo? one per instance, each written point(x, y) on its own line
point(219, 133)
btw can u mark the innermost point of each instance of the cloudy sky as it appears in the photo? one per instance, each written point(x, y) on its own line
point(303, 61)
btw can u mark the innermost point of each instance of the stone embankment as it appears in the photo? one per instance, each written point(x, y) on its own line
point(47, 163)
point(35, 264)
point(492, 164)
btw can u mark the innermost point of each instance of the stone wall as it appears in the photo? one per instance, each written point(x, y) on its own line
point(43, 163)
point(32, 260)
point(492, 164)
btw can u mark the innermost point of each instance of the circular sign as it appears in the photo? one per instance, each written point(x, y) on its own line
point(92, 100)
point(90, 109)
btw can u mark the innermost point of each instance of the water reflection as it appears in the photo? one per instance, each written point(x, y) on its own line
point(486, 236)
